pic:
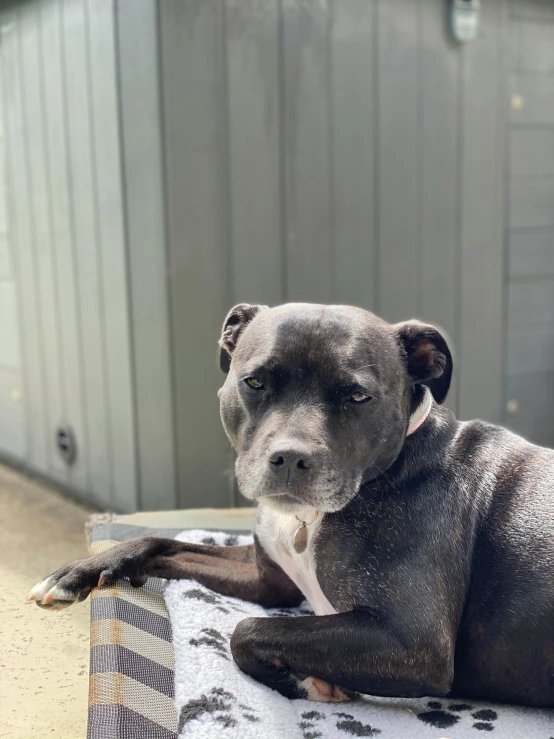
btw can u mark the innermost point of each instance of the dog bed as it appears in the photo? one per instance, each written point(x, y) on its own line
point(138, 656)
point(131, 685)
point(215, 699)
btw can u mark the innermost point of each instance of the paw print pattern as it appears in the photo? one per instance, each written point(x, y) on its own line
point(356, 728)
point(214, 640)
point(213, 599)
point(313, 725)
point(484, 717)
point(436, 716)
point(308, 725)
point(444, 718)
point(221, 705)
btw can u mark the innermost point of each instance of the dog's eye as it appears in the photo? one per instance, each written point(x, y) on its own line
point(255, 383)
point(359, 397)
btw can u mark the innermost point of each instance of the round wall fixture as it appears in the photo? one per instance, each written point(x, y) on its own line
point(66, 443)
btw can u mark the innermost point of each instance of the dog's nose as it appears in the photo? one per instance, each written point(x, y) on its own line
point(290, 462)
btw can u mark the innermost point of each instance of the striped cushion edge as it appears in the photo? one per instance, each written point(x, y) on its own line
point(131, 686)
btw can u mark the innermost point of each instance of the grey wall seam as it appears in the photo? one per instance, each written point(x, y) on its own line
point(12, 237)
point(167, 255)
point(47, 165)
point(459, 215)
point(504, 186)
point(33, 235)
point(330, 17)
point(42, 217)
point(376, 163)
point(140, 116)
point(52, 75)
point(127, 257)
point(124, 205)
point(420, 155)
point(98, 251)
point(228, 216)
point(282, 149)
point(75, 265)
point(502, 170)
point(226, 154)
point(501, 164)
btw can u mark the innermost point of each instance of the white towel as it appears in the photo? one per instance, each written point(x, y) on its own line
point(215, 699)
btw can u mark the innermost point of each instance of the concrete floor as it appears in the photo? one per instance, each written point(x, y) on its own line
point(43, 656)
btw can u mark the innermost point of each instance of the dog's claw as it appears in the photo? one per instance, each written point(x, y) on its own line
point(39, 591)
point(339, 695)
point(51, 596)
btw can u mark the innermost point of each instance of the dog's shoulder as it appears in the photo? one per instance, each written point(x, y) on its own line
point(484, 453)
point(493, 442)
point(513, 473)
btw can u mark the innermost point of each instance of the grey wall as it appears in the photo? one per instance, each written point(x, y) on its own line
point(529, 386)
point(179, 157)
point(137, 39)
point(337, 152)
point(65, 240)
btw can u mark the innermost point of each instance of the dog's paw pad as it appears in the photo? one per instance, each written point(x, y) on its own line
point(324, 692)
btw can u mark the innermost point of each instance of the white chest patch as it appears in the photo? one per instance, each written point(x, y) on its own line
point(275, 532)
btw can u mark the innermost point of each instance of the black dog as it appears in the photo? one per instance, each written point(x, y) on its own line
point(425, 545)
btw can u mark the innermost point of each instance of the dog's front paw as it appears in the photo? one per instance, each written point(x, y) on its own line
point(317, 689)
point(58, 591)
point(74, 582)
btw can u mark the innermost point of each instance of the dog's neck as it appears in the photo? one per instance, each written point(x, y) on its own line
point(417, 419)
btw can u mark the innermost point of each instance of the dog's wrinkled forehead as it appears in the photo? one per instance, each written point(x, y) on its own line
point(320, 338)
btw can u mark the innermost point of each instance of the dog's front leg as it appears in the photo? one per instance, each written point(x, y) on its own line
point(329, 658)
point(242, 572)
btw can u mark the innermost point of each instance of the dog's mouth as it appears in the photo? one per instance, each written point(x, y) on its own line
point(285, 502)
point(291, 501)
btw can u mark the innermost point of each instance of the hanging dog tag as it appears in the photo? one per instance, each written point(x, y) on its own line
point(300, 538)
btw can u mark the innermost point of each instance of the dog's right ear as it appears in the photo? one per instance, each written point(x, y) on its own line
point(237, 320)
point(428, 358)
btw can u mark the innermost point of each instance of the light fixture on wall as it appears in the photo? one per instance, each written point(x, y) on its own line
point(464, 19)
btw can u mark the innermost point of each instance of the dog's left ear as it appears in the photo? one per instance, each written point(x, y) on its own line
point(429, 361)
point(237, 320)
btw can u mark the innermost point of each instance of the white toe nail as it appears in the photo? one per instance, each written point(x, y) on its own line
point(60, 594)
point(40, 590)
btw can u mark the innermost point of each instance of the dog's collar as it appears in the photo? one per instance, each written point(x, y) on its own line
point(421, 412)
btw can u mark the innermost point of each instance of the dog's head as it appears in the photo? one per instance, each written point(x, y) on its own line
point(318, 398)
